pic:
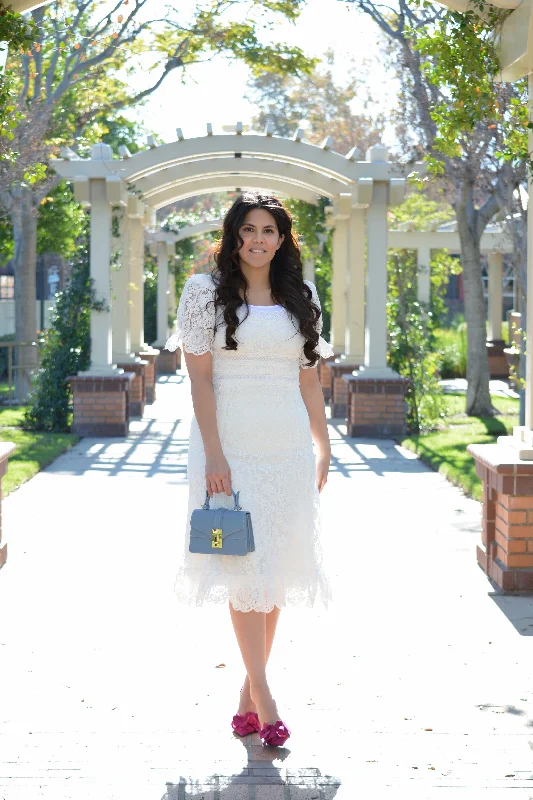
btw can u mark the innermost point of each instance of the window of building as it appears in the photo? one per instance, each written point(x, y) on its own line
point(7, 287)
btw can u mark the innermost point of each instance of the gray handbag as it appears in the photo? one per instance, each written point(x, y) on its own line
point(225, 531)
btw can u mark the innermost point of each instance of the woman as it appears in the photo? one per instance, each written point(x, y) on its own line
point(250, 335)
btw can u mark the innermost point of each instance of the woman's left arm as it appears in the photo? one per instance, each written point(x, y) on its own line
point(313, 398)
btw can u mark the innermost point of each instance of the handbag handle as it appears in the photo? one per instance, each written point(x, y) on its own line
point(236, 507)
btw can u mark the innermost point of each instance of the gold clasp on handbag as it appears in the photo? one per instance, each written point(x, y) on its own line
point(216, 537)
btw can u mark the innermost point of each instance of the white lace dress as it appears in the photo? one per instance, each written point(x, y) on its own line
point(266, 438)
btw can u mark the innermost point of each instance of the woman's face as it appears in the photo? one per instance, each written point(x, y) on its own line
point(260, 237)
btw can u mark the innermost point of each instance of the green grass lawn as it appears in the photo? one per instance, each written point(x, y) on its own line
point(34, 450)
point(445, 450)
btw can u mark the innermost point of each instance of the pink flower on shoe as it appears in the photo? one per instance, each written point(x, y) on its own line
point(244, 725)
point(275, 735)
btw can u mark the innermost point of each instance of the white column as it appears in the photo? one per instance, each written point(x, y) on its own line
point(355, 291)
point(100, 265)
point(423, 286)
point(338, 285)
point(120, 287)
point(162, 294)
point(495, 295)
point(135, 255)
point(309, 269)
point(376, 285)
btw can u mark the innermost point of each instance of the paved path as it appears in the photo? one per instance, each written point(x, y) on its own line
point(417, 683)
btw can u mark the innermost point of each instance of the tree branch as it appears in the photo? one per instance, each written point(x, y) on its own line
point(26, 85)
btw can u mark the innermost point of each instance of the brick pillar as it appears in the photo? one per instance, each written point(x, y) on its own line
point(324, 376)
point(169, 361)
point(136, 396)
point(6, 448)
point(150, 376)
point(498, 366)
point(506, 550)
point(339, 388)
point(376, 406)
point(101, 404)
point(147, 354)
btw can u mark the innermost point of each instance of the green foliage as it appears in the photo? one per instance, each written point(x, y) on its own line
point(15, 32)
point(118, 130)
point(411, 327)
point(183, 265)
point(309, 222)
point(150, 298)
point(451, 346)
point(65, 350)
point(61, 221)
point(421, 213)
point(411, 355)
point(461, 59)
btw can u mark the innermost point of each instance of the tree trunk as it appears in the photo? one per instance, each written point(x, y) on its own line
point(24, 219)
point(478, 402)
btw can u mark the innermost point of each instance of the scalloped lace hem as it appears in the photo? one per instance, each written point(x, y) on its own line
point(324, 348)
point(175, 341)
point(196, 592)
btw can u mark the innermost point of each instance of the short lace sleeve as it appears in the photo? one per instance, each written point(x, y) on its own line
point(324, 348)
point(195, 319)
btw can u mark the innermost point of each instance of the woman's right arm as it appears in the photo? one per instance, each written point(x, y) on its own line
point(195, 335)
point(217, 470)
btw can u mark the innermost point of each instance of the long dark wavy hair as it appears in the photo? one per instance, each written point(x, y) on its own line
point(286, 273)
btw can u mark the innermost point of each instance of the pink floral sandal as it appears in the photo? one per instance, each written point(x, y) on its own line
point(275, 735)
point(244, 725)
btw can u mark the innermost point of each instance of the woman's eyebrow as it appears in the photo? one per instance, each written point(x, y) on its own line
point(251, 225)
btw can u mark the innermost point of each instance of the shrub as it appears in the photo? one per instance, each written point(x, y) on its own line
point(66, 350)
point(451, 351)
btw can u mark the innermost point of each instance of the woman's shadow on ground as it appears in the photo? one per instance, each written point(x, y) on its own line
point(264, 767)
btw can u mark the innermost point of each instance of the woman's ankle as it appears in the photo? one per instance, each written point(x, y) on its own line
point(259, 688)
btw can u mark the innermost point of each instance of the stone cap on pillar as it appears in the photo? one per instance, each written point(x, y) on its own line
point(101, 383)
point(6, 448)
point(392, 384)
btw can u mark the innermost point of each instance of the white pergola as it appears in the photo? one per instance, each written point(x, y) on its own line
point(360, 190)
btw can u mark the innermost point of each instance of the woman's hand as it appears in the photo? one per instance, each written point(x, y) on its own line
point(217, 474)
point(322, 468)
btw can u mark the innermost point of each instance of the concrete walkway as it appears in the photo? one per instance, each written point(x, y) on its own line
point(416, 683)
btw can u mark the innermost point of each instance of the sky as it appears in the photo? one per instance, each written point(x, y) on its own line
point(214, 91)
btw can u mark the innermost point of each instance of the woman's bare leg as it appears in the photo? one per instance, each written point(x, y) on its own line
point(271, 621)
point(251, 631)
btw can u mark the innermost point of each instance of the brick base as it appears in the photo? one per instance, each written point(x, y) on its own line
point(339, 387)
point(136, 396)
point(150, 377)
point(498, 366)
point(168, 362)
point(506, 550)
point(376, 406)
point(324, 376)
point(101, 406)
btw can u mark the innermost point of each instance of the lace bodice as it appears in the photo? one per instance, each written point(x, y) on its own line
point(268, 333)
